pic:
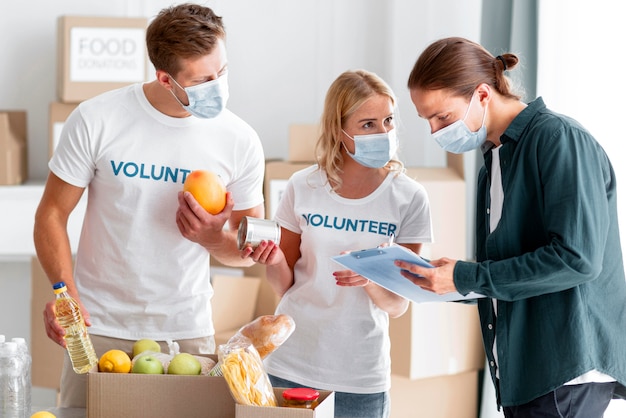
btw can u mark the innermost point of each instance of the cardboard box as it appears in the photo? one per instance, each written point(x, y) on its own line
point(114, 395)
point(58, 113)
point(436, 339)
point(47, 355)
point(302, 141)
point(325, 408)
point(276, 175)
point(454, 396)
point(13, 150)
point(97, 54)
point(233, 304)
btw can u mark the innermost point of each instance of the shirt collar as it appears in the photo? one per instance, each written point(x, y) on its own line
point(517, 127)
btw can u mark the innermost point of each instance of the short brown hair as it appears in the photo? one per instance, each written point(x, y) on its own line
point(182, 31)
point(460, 66)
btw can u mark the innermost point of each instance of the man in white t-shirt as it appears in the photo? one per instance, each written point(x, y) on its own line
point(142, 264)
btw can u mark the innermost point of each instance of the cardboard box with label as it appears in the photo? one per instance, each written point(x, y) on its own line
point(98, 54)
point(58, 113)
point(13, 147)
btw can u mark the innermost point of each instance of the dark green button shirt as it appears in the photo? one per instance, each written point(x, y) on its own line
point(554, 261)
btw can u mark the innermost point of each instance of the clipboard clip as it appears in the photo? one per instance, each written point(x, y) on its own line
point(367, 253)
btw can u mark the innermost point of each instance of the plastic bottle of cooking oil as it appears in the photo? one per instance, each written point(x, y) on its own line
point(79, 345)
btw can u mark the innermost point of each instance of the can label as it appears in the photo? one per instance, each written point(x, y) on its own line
point(254, 230)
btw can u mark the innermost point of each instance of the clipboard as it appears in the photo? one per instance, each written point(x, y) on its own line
point(377, 265)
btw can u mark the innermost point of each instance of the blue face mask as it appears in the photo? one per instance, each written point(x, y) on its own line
point(457, 137)
point(374, 150)
point(206, 100)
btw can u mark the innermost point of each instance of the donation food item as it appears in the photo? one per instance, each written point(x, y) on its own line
point(268, 332)
point(146, 363)
point(184, 364)
point(77, 340)
point(208, 189)
point(43, 414)
point(305, 398)
point(145, 344)
point(245, 375)
point(114, 361)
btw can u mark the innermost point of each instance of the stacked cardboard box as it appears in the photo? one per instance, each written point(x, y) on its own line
point(13, 150)
point(95, 54)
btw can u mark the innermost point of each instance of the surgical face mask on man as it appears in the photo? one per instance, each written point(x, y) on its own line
point(457, 137)
point(374, 150)
point(206, 100)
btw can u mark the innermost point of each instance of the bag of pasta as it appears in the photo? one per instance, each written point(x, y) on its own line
point(243, 370)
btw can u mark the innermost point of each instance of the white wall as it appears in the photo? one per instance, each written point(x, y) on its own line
point(283, 55)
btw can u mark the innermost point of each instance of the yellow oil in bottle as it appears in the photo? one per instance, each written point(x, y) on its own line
point(79, 346)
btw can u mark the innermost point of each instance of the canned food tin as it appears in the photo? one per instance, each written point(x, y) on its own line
point(254, 230)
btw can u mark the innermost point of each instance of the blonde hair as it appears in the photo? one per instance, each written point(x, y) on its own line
point(345, 95)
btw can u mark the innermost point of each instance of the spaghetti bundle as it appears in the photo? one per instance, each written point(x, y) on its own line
point(242, 367)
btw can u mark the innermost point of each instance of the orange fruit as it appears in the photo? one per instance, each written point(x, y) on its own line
point(208, 189)
point(114, 361)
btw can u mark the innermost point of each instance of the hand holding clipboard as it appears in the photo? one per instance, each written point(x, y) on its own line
point(378, 265)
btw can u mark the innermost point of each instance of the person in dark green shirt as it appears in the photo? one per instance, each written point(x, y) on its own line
point(548, 254)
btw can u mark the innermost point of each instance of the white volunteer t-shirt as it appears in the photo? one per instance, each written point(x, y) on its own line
point(341, 340)
point(135, 273)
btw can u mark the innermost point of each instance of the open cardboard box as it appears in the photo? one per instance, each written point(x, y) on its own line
point(325, 408)
point(115, 395)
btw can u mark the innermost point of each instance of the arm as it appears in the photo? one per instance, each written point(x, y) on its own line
point(386, 300)
point(279, 259)
point(53, 246)
point(198, 225)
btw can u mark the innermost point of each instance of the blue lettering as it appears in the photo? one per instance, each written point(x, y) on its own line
point(143, 175)
point(339, 226)
point(382, 228)
point(116, 170)
point(185, 172)
point(392, 229)
point(155, 176)
point(351, 225)
point(171, 174)
point(133, 173)
point(326, 224)
point(316, 220)
point(306, 217)
point(373, 227)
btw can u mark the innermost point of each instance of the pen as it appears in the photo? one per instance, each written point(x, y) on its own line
point(391, 237)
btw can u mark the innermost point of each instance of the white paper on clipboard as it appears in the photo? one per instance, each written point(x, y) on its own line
point(377, 265)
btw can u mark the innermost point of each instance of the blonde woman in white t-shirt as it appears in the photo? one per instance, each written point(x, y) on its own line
point(354, 198)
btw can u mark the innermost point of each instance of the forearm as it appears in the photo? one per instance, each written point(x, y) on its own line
point(226, 250)
point(280, 277)
point(389, 302)
point(53, 249)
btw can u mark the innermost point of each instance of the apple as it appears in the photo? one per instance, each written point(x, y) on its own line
point(145, 344)
point(184, 363)
point(147, 364)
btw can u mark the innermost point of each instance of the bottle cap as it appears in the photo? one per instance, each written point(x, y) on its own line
point(59, 287)
point(301, 394)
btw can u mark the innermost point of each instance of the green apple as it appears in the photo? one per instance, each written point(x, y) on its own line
point(147, 364)
point(184, 363)
point(145, 344)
